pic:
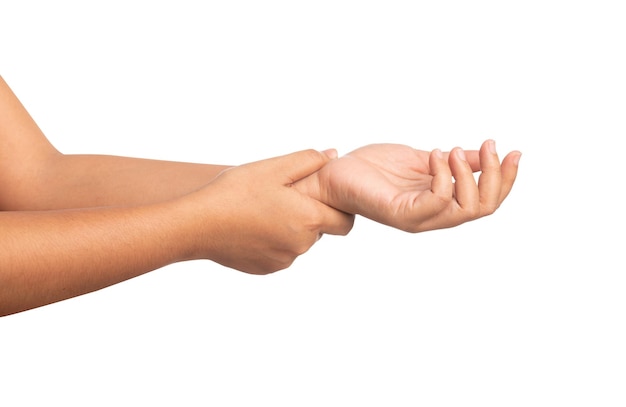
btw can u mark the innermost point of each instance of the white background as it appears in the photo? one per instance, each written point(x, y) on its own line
point(524, 308)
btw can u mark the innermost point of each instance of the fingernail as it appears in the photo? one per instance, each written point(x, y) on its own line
point(438, 153)
point(461, 154)
point(331, 153)
point(516, 158)
point(491, 145)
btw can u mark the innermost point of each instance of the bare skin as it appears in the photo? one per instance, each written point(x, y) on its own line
point(73, 224)
point(35, 176)
point(412, 189)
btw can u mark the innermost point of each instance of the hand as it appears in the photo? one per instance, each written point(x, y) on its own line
point(261, 222)
point(415, 190)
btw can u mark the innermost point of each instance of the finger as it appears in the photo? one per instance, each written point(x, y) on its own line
point(331, 153)
point(473, 159)
point(465, 189)
point(295, 166)
point(437, 199)
point(441, 184)
point(471, 156)
point(509, 169)
point(333, 221)
point(490, 180)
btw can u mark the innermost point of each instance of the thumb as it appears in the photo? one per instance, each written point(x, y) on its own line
point(295, 166)
point(331, 153)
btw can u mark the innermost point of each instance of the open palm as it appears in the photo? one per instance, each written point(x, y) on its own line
point(416, 190)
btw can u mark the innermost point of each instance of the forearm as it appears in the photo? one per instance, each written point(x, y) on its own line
point(102, 180)
point(48, 256)
point(35, 176)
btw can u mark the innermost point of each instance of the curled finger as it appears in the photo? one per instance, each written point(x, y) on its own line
point(429, 203)
point(465, 189)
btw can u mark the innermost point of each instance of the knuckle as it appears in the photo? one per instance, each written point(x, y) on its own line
point(312, 154)
point(285, 263)
point(442, 199)
point(259, 270)
point(348, 225)
point(299, 245)
point(489, 209)
point(274, 266)
point(280, 266)
point(413, 228)
point(303, 247)
point(472, 211)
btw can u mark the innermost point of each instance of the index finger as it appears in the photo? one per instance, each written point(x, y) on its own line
point(295, 166)
point(430, 203)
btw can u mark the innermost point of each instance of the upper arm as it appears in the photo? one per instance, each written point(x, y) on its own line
point(24, 150)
